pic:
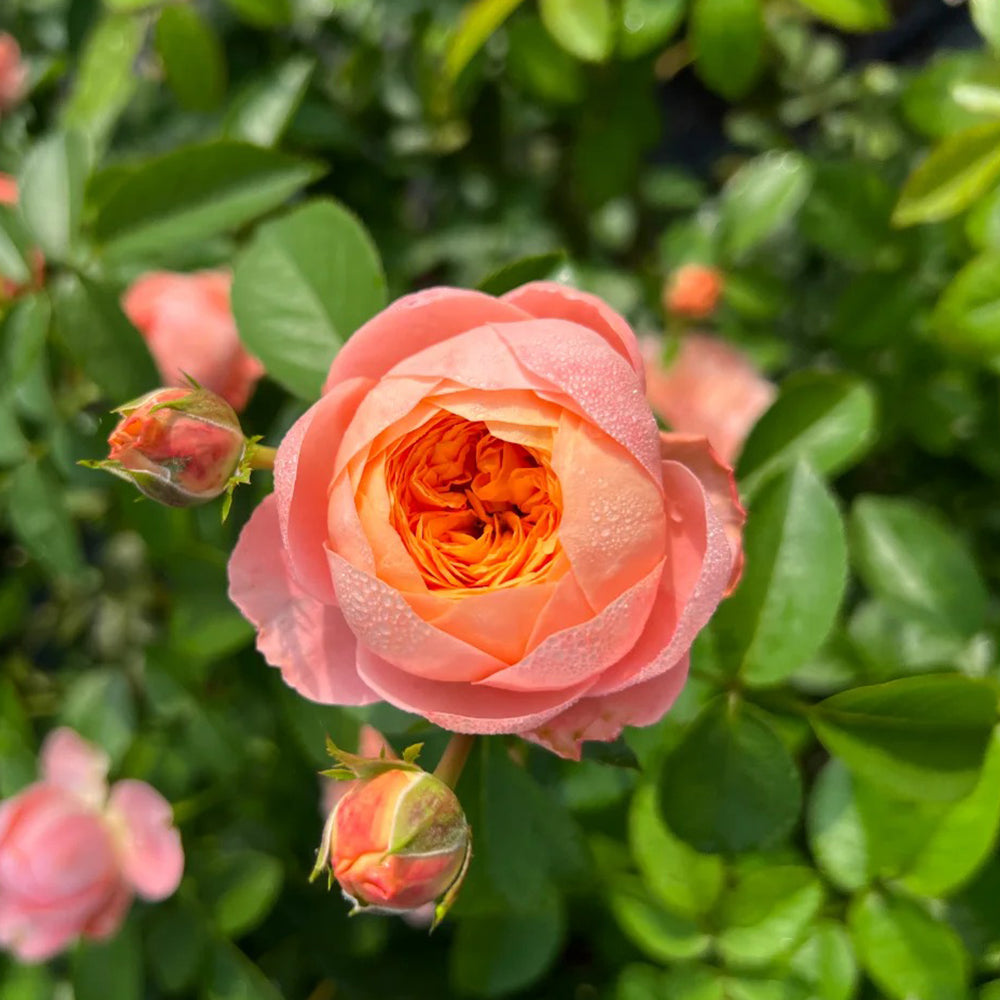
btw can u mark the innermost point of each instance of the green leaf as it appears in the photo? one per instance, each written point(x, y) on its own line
point(305, 283)
point(17, 744)
point(660, 933)
point(964, 838)
point(796, 572)
point(52, 181)
point(851, 15)
point(727, 41)
point(192, 57)
point(27, 982)
point(262, 13)
point(478, 21)
point(905, 552)
point(762, 197)
point(538, 65)
point(195, 192)
point(986, 18)
point(177, 940)
point(648, 24)
point(495, 955)
point(41, 523)
point(105, 78)
point(825, 962)
point(917, 737)
point(540, 267)
point(967, 315)
point(682, 879)
point(730, 785)
point(263, 112)
point(765, 914)
point(827, 419)
point(94, 330)
point(957, 172)
point(100, 706)
point(584, 28)
point(15, 247)
point(234, 977)
point(110, 969)
point(240, 887)
point(906, 951)
point(929, 100)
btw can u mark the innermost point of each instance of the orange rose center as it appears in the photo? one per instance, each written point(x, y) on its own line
point(474, 511)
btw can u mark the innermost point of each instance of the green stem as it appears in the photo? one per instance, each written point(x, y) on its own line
point(262, 457)
point(449, 768)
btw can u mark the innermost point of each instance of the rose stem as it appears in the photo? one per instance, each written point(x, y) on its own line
point(449, 768)
point(262, 457)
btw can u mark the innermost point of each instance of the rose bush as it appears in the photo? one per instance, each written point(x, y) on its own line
point(479, 522)
point(188, 325)
point(72, 855)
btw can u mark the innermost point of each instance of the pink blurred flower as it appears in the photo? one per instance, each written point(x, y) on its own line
point(8, 190)
point(72, 855)
point(13, 72)
point(189, 328)
point(10, 289)
point(710, 389)
point(693, 291)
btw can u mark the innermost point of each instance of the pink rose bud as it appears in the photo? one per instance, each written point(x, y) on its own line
point(72, 855)
point(9, 196)
point(180, 447)
point(397, 841)
point(13, 72)
point(693, 291)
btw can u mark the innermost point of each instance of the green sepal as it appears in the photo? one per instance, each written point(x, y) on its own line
point(241, 474)
point(445, 903)
point(352, 765)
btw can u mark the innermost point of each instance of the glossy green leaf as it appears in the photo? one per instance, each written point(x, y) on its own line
point(177, 940)
point(851, 15)
point(192, 57)
point(110, 969)
point(52, 181)
point(906, 552)
point(928, 102)
point(765, 914)
point(93, 328)
point(302, 286)
point(917, 737)
point(584, 28)
point(541, 267)
point(727, 40)
point(648, 24)
point(41, 523)
point(537, 64)
point(677, 876)
point(730, 785)
point(762, 197)
point(967, 315)
point(660, 933)
point(986, 18)
point(100, 706)
point(263, 112)
point(827, 419)
point(957, 172)
point(479, 20)
point(262, 13)
point(825, 962)
point(240, 887)
point(105, 79)
point(234, 977)
point(195, 192)
point(15, 246)
point(906, 951)
point(793, 583)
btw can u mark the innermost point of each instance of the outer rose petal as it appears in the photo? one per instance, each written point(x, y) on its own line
point(151, 854)
point(69, 761)
point(717, 478)
point(107, 922)
point(550, 299)
point(411, 324)
point(604, 718)
point(309, 641)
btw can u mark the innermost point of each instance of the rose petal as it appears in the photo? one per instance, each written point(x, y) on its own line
point(151, 854)
point(309, 641)
point(603, 718)
point(412, 323)
point(719, 483)
point(111, 916)
point(69, 761)
point(550, 299)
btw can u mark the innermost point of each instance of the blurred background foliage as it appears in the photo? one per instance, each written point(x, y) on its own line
point(818, 816)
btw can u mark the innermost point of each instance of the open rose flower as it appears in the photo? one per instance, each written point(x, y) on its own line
point(189, 329)
point(72, 855)
point(479, 522)
point(710, 388)
point(13, 73)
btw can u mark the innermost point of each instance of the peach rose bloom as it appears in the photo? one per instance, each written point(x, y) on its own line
point(693, 291)
point(189, 328)
point(710, 389)
point(479, 522)
point(72, 855)
point(13, 72)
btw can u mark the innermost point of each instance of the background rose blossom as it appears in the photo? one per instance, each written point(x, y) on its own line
point(13, 72)
point(709, 388)
point(625, 561)
point(72, 855)
point(188, 324)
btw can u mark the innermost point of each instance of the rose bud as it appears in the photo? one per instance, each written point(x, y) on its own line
point(397, 841)
point(693, 291)
point(180, 447)
point(13, 73)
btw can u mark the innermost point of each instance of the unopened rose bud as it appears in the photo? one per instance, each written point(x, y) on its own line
point(693, 291)
point(397, 840)
point(180, 447)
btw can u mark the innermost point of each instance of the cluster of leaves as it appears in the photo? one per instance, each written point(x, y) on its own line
point(818, 816)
